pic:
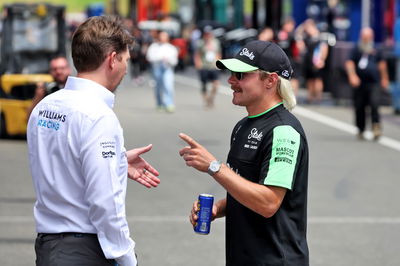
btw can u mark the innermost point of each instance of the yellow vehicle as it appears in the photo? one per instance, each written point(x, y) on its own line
point(14, 109)
point(31, 35)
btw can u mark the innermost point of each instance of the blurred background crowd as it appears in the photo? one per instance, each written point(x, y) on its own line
point(317, 35)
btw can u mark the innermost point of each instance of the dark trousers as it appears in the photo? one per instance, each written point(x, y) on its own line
point(68, 249)
point(207, 75)
point(367, 95)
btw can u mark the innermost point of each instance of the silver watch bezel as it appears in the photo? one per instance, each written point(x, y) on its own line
point(214, 167)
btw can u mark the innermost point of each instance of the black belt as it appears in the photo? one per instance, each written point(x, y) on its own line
point(50, 236)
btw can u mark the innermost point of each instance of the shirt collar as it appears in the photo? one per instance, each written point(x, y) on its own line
point(273, 107)
point(75, 83)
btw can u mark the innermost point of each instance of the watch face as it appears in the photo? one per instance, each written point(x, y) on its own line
point(214, 166)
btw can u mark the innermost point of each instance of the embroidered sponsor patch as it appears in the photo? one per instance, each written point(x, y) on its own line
point(107, 144)
point(108, 148)
point(255, 135)
point(108, 154)
point(247, 53)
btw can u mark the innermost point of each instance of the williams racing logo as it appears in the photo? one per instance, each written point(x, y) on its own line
point(50, 119)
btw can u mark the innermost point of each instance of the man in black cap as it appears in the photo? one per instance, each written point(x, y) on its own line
point(266, 173)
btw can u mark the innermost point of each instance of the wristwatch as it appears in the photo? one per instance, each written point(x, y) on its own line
point(214, 167)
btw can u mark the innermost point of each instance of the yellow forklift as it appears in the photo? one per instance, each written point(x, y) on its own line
point(31, 35)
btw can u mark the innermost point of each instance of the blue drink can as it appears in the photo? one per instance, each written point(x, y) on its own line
point(204, 215)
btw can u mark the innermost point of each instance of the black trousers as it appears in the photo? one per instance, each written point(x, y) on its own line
point(67, 249)
point(367, 95)
point(207, 75)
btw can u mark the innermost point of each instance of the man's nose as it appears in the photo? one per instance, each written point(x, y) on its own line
point(232, 80)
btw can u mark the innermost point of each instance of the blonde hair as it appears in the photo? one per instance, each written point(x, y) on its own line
point(285, 90)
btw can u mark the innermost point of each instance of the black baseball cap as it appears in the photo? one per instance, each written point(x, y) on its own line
point(262, 55)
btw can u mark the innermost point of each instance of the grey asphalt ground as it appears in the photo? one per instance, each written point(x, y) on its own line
point(354, 210)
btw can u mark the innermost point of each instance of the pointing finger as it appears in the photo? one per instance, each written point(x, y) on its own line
point(189, 140)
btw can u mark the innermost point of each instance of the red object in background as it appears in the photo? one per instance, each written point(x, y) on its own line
point(151, 9)
point(389, 17)
point(295, 51)
point(181, 44)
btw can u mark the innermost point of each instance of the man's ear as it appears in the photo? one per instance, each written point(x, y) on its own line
point(271, 79)
point(112, 58)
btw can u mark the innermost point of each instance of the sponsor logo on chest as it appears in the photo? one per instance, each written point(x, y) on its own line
point(253, 139)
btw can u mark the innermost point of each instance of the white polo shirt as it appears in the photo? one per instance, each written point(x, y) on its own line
point(79, 167)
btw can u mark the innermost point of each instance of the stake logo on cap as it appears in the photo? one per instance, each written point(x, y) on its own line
point(261, 55)
point(246, 52)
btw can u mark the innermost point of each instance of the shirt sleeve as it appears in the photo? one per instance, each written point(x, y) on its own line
point(104, 167)
point(284, 153)
point(172, 57)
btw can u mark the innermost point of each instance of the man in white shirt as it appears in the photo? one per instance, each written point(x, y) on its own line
point(163, 57)
point(77, 157)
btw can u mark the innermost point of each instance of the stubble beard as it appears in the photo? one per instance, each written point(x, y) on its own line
point(119, 82)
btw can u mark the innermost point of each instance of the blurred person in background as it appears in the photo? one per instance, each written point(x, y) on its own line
point(59, 69)
point(267, 35)
point(135, 51)
point(208, 51)
point(195, 36)
point(316, 52)
point(395, 85)
point(163, 57)
point(367, 73)
point(389, 54)
point(182, 44)
point(286, 40)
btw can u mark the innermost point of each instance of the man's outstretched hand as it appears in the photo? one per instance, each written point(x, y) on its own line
point(140, 170)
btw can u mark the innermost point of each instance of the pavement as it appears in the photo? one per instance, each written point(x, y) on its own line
point(354, 215)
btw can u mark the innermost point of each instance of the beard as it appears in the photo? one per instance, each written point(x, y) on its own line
point(366, 47)
point(118, 83)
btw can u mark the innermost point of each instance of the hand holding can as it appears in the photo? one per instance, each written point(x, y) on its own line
point(202, 214)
